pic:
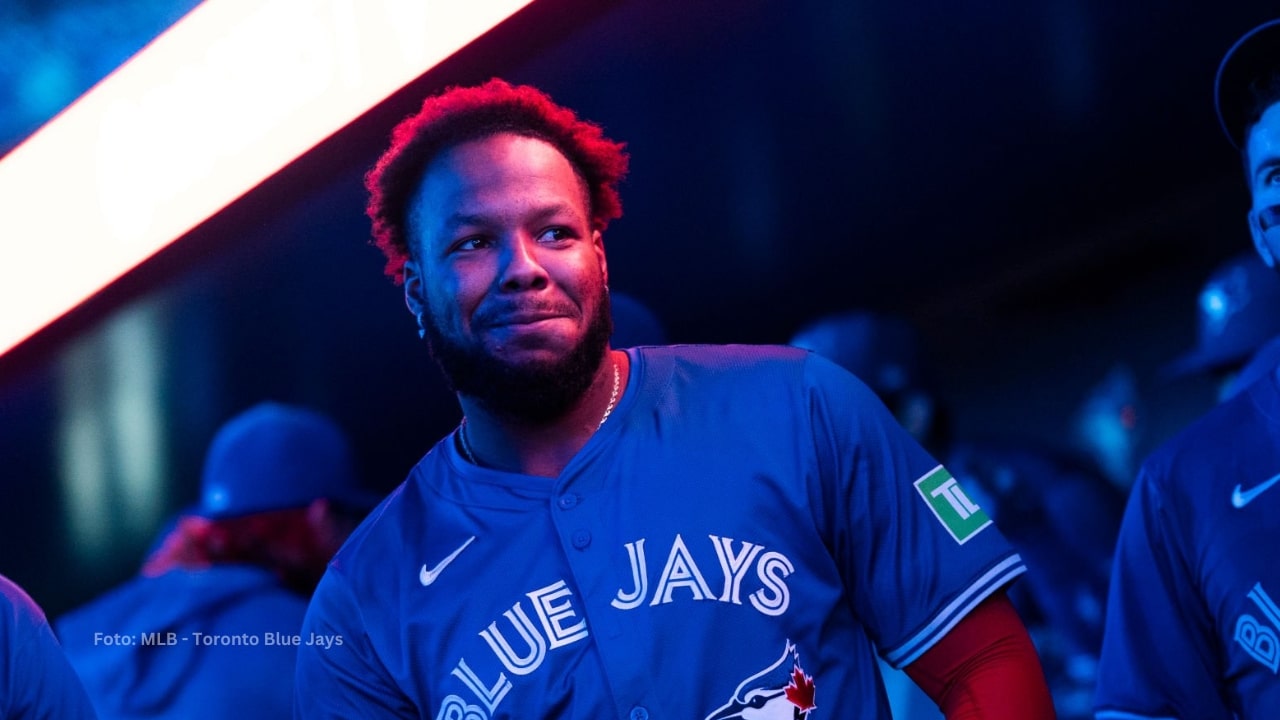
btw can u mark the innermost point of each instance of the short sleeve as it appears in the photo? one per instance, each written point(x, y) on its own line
point(914, 548)
point(1157, 651)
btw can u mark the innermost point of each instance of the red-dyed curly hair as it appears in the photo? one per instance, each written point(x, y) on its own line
point(282, 541)
point(462, 114)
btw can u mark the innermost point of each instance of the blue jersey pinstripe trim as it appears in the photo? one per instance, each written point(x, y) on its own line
point(994, 579)
point(1119, 715)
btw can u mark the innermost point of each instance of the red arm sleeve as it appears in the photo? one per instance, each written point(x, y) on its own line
point(985, 668)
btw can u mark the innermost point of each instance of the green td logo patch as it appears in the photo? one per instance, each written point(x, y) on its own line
point(957, 513)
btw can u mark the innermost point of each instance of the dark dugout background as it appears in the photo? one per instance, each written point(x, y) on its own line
point(1040, 187)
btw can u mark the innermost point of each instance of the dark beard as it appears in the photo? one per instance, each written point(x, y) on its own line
point(536, 392)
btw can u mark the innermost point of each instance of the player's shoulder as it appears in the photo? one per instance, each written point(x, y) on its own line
point(378, 531)
point(1239, 432)
point(772, 377)
point(761, 362)
point(720, 358)
point(16, 603)
point(404, 518)
point(774, 373)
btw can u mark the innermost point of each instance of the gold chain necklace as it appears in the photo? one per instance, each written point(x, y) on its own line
point(613, 400)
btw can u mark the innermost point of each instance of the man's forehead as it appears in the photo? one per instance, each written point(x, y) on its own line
point(1262, 144)
point(493, 179)
point(478, 171)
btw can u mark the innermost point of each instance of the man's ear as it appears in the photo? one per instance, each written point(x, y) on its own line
point(413, 297)
point(597, 243)
point(1260, 239)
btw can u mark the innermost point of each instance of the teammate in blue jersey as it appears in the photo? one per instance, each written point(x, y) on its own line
point(210, 627)
point(679, 532)
point(36, 681)
point(1193, 628)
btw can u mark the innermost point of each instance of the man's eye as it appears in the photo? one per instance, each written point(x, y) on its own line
point(472, 243)
point(555, 234)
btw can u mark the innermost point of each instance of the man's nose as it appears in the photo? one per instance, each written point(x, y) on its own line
point(522, 265)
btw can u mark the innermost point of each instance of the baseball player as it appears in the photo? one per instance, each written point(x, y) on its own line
point(669, 532)
point(36, 681)
point(210, 627)
point(1192, 620)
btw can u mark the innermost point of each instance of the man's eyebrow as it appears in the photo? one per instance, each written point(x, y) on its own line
point(1269, 162)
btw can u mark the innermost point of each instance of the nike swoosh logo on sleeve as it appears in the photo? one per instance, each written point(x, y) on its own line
point(426, 577)
point(1240, 498)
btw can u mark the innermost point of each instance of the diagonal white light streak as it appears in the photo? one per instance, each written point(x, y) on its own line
point(225, 98)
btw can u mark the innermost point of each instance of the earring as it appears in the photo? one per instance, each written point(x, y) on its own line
point(422, 329)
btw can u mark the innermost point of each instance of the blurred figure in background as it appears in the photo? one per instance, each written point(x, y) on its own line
point(1053, 504)
point(1236, 314)
point(36, 682)
point(210, 627)
point(1107, 427)
point(1061, 506)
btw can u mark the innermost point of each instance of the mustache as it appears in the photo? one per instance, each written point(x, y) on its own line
point(502, 313)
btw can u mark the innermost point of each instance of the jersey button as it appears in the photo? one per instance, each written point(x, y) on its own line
point(581, 539)
point(639, 713)
point(568, 501)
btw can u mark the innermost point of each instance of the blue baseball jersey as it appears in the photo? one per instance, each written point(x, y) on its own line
point(36, 681)
point(745, 532)
point(1192, 621)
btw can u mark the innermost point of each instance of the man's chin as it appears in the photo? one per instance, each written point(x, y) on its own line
point(532, 375)
point(531, 388)
point(530, 358)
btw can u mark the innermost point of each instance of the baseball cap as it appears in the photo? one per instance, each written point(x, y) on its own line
point(275, 456)
point(881, 350)
point(1255, 54)
point(1238, 310)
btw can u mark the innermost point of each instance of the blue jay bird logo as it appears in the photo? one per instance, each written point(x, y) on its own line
point(781, 691)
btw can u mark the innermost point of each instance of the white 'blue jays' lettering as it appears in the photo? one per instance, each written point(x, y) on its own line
point(681, 572)
point(558, 625)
